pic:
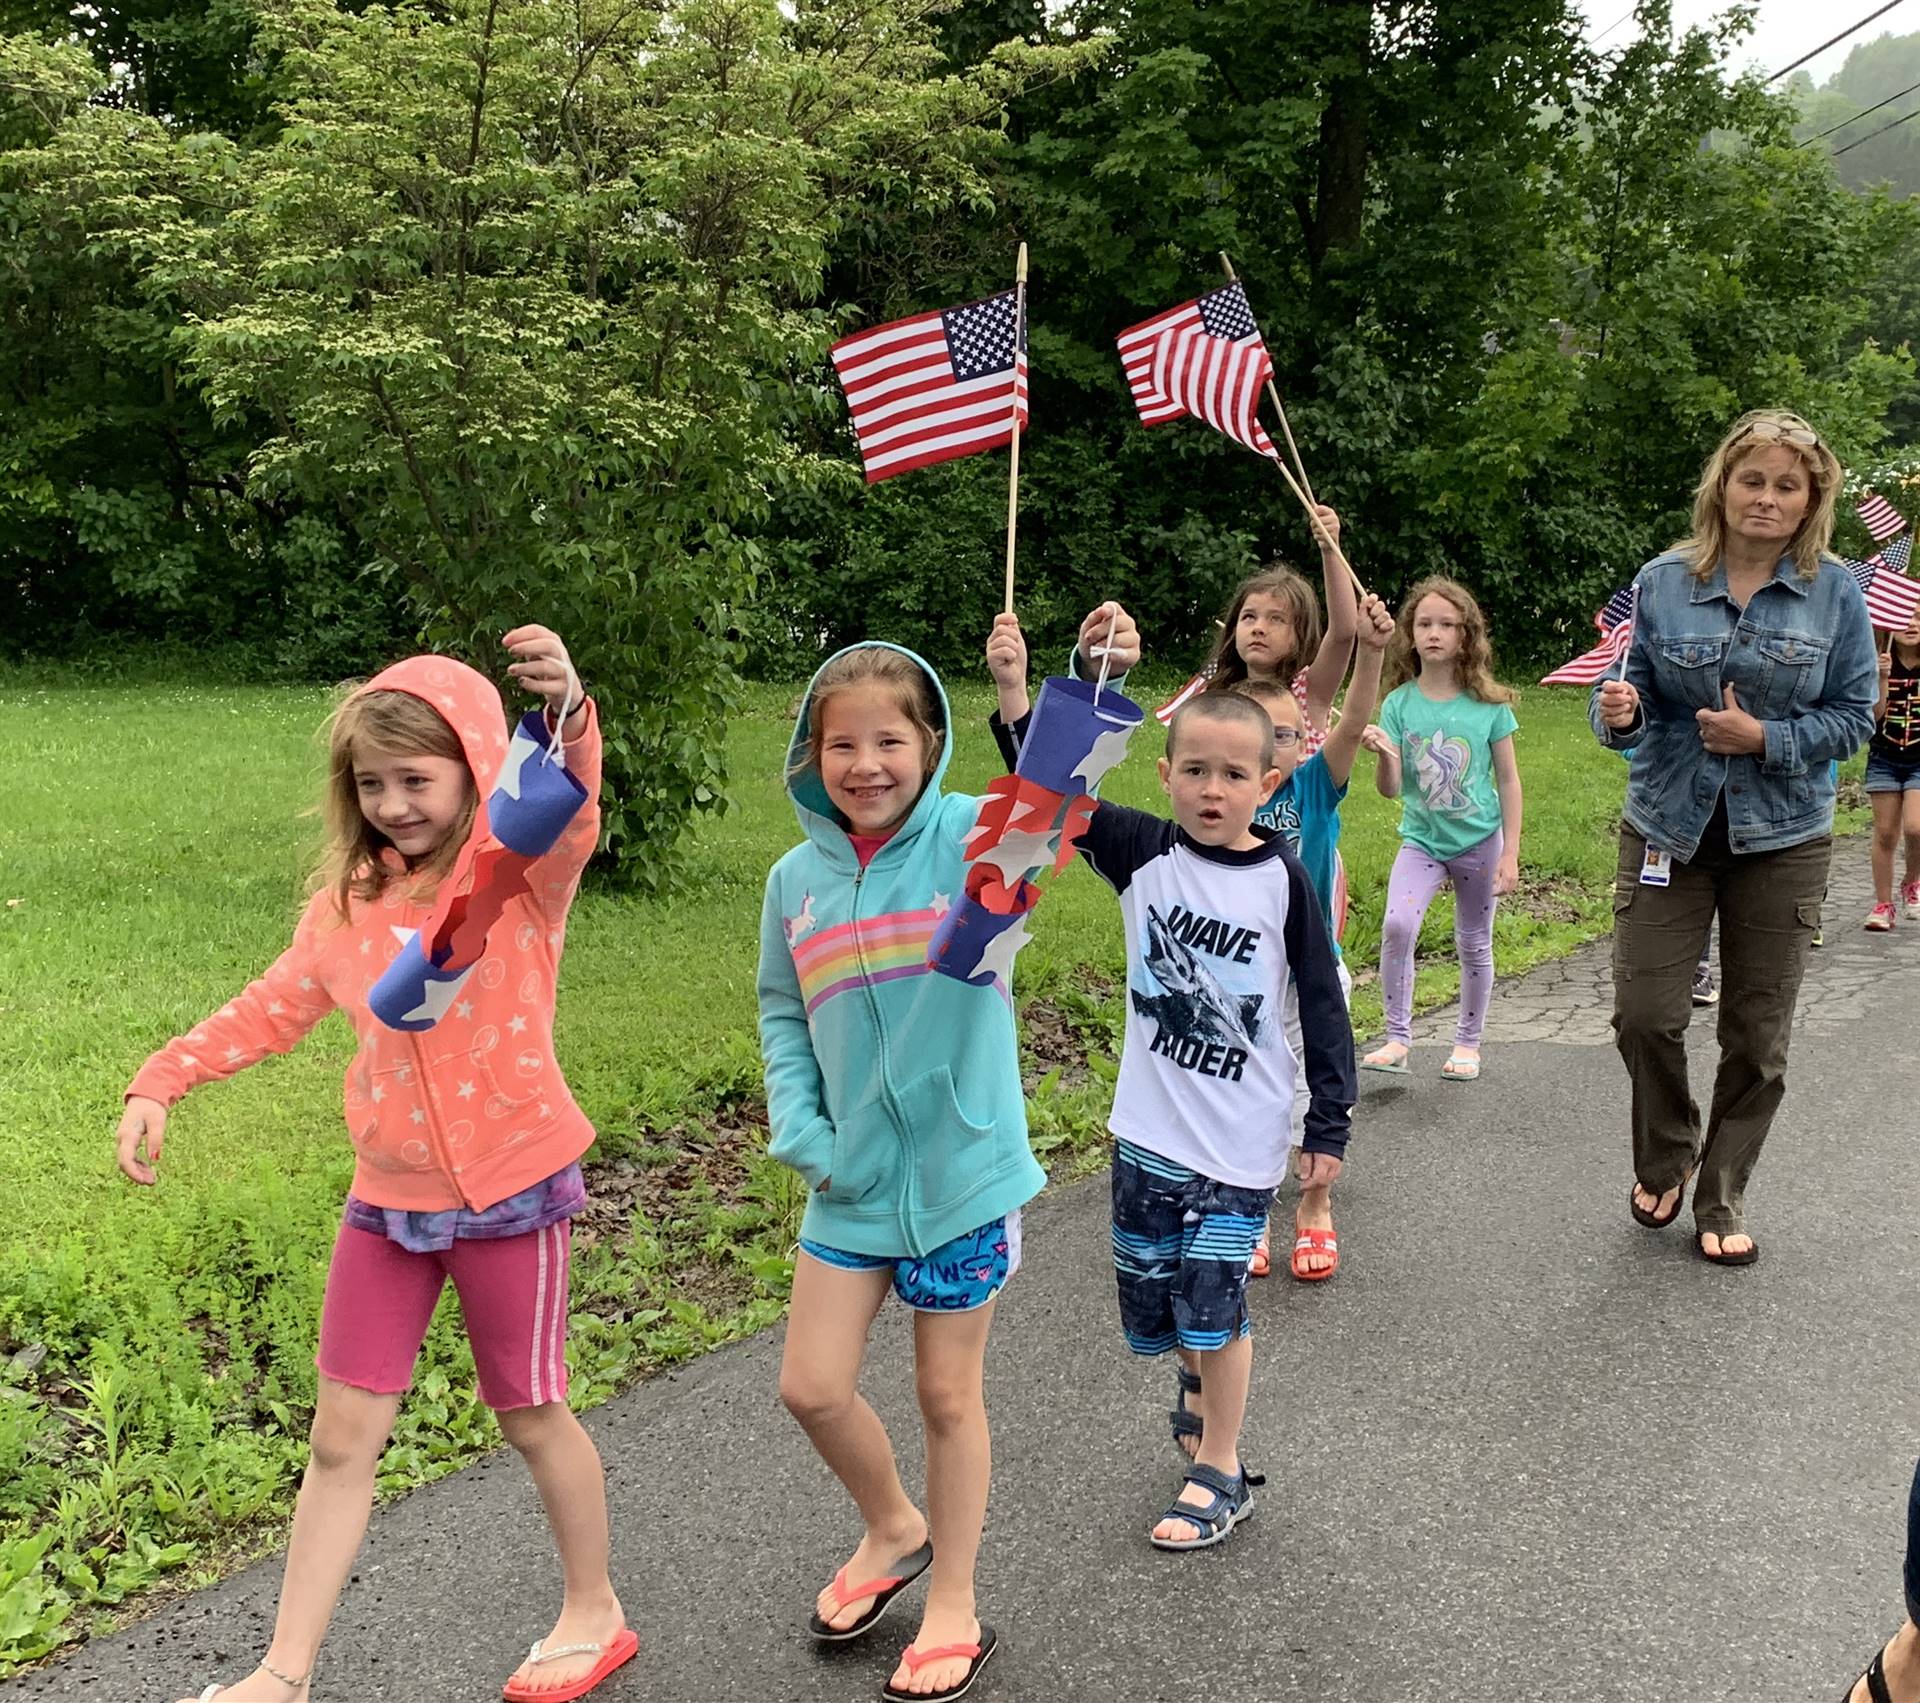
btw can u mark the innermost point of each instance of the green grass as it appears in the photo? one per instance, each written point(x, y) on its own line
point(155, 1346)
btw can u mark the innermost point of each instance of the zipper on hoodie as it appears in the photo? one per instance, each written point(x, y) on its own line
point(880, 1041)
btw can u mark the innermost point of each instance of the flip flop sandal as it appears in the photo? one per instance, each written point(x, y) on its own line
point(1458, 1069)
point(1876, 1678)
point(1747, 1258)
point(616, 1654)
point(976, 1655)
point(1184, 1421)
point(1231, 1502)
point(883, 1591)
point(1260, 1261)
point(1651, 1220)
point(1315, 1242)
point(285, 1679)
point(1388, 1067)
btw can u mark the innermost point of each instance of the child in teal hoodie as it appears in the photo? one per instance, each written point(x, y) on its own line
point(895, 1093)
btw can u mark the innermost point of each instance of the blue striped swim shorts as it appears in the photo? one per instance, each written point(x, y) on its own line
point(1181, 1246)
point(956, 1277)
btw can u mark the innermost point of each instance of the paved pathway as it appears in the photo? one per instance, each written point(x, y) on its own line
point(1519, 1450)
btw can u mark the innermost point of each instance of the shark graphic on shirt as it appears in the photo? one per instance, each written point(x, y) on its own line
point(1194, 1005)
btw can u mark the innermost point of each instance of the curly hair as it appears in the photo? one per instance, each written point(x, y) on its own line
point(1474, 666)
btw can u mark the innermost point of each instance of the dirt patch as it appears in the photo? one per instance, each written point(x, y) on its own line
point(1049, 1041)
point(1554, 900)
point(704, 1162)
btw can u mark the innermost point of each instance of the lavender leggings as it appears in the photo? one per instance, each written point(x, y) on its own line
point(1416, 878)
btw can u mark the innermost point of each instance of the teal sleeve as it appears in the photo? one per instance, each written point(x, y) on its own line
point(1504, 723)
point(801, 1131)
point(1390, 716)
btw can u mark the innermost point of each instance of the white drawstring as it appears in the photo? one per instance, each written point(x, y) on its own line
point(1105, 652)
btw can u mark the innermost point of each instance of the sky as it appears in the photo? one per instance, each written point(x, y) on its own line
point(1783, 31)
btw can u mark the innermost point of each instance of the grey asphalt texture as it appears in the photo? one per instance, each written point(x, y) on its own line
point(1519, 1448)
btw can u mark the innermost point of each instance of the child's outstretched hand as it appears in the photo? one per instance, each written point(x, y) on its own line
point(1375, 738)
point(541, 664)
point(1007, 651)
point(1326, 531)
point(145, 1121)
point(1376, 626)
point(1112, 626)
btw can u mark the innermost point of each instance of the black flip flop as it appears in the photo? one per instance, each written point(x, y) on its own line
point(980, 1652)
point(883, 1591)
point(1642, 1216)
point(1876, 1678)
point(1700, 1245)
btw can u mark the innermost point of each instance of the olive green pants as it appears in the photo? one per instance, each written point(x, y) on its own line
point(1768, 906)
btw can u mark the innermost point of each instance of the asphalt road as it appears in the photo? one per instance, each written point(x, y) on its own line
point(1518, 1449)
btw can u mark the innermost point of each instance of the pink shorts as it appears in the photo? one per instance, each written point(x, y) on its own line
point(513, 1295)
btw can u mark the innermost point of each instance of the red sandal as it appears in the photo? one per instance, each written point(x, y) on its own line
point(883, 1591)
point(1315, 1242)
point(613, 1655)
point(976, 1655)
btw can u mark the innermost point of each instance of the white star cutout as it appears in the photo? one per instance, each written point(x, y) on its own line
point(465, 1090)
point(436, 1000)
point(1107, 750)
point(997, 959)
point(516, 1023)
point(516, 759)
point(1017, 852)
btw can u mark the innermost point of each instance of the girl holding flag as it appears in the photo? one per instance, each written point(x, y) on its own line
point(468, 1141)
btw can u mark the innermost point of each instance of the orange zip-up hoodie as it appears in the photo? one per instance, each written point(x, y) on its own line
point(474, 1109)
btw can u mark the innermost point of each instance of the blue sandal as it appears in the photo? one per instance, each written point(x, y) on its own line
point(1232, 1502)
point(1184, 1421)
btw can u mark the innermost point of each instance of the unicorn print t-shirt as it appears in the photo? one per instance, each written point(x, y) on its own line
point(1449, 802)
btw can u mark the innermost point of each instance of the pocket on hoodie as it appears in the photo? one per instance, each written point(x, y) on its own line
point(951, 1153)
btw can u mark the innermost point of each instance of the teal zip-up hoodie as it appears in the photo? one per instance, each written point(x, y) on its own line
point(898, 1088)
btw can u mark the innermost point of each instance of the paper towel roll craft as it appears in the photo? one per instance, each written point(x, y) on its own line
point(519, 822)
point(1029, 823)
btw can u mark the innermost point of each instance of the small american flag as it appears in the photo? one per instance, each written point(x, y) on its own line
point(1203, 358)
point(1891, 596)
point(1882, 519)
point(1615, 621)
point(1166, 712)
point(936, 386)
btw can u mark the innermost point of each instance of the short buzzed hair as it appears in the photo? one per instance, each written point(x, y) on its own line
point(1231, 707)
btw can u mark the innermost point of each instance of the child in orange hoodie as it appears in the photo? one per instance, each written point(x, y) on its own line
point(467, 1138)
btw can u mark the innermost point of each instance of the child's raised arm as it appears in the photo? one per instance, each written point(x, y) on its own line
point(1329, 665)
point(1344, 742)
point(1007, 663)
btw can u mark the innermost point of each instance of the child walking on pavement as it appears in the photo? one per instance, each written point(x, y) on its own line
point(896, 1095)
point(1893, 778)
point(1218, 916)
point(1447, 726)
point(468, 1140)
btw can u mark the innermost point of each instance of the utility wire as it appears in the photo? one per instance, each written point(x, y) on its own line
point(1902, 119)
point(1596, 40)
point(1842, 36)
point(1867, 112)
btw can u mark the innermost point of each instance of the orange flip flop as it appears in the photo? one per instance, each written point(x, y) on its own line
point(883, 1591)
point(616, 1654)
point(1315, 1242)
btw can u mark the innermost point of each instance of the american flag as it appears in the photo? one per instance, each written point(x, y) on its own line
point(1166, 712)
point(1891, 596)
point(1882, 519)
point(936, 386)
point(1615, 621)
point(1203, 358)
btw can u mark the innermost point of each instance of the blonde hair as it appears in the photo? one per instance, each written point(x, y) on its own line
point(1224, 667)
point(882, 665)
point(395, 724)
point(1473, 666)
point(1765, 428)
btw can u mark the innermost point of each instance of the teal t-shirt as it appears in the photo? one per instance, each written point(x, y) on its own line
point(1305, 811)
point(1449, 802)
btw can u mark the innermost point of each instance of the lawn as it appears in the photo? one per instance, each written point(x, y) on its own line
point(155, 1347)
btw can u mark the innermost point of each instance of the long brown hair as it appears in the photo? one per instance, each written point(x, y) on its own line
point(1473, 666)
point(359, 861)
point(1224, 668)
point(863, 665)
point(1765, 428)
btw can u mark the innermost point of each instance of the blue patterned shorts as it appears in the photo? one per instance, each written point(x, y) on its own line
point(1181, 1246)
point(956, 1277)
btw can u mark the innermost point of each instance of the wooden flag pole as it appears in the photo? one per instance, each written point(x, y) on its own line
point(1302, 487)
point(1013, 471)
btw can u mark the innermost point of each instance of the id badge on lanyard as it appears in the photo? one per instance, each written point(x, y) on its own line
point(1657, 868)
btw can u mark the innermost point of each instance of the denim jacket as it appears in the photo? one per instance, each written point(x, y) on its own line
point(1800, 658)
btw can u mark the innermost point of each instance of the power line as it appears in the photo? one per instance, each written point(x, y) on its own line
point(1842, 36)
point(1902, 119)
point(1855, 119)
point(1596, 40)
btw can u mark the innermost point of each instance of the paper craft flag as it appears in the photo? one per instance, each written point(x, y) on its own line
point(1078, 732)
point(518, 823)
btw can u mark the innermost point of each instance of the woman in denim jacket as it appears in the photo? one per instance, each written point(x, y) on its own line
point(1750, 674)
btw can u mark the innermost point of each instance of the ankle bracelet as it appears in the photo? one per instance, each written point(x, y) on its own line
point(287, 1679)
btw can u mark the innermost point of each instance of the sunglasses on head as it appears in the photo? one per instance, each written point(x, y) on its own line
point(1775, 431)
